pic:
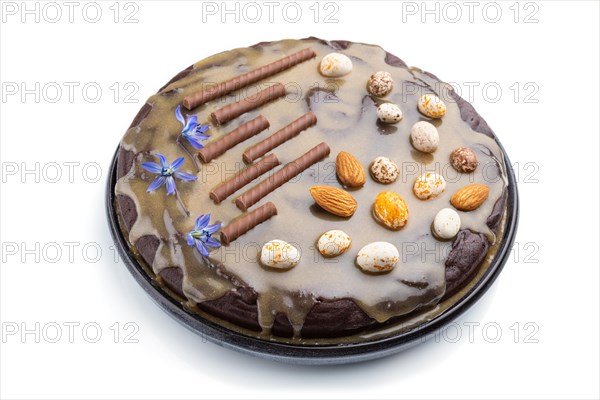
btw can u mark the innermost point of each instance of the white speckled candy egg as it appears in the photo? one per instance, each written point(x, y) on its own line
point(380, 83)
point(378, 257)
point(429, 185)
point(279, 254)
point(432, 106)
point(446, 224)
point(333, 243)
point(334, 65)
point(384, 170)
point(424, 137)
point(389, 113)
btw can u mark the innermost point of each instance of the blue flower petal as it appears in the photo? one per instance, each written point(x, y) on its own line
point(201, 248)
point(191, 124)
point(202, 221)
point(199, 136)
point(170, 185)
point(179, 116)
point(212, 228)
point(212, 242)
point(158, 182)
point(177, 163)
point(163, 161)
point(152, 167)
point(200, 129)
point(190, 239)
point(194, 142)
point(184, 176)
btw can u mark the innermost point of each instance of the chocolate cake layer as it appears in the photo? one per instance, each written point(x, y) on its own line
point(468, 250)
point(238, 303)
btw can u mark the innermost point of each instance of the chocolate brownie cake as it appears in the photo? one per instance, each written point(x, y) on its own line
point(310, 191)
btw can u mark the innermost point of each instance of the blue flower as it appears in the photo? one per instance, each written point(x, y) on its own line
point(201, 236)
point(192, 131)
point(166, 173)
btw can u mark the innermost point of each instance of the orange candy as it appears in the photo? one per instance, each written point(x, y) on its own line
point(391, 210)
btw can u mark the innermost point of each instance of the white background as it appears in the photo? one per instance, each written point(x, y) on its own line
point(549, 128)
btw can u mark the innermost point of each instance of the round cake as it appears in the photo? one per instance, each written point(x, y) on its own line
point(310, 191)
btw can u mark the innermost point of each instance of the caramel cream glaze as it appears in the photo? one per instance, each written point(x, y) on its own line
point(347, 121)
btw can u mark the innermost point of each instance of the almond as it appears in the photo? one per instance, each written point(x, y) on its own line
point(470, 197)
point(349, 170)
point(336, 201)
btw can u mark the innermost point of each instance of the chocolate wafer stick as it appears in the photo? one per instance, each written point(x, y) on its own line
point(279, 137)
point(280, 177)
point(248, 78)
point(243, 178)
point(248, 221)
point(216, 148)
point(234, 110)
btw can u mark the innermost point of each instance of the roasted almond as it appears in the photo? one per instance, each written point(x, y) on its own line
point(334, 200)
point(349, 170)
point(470, 197)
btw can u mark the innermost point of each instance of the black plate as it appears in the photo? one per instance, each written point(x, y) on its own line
point(306, 354)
